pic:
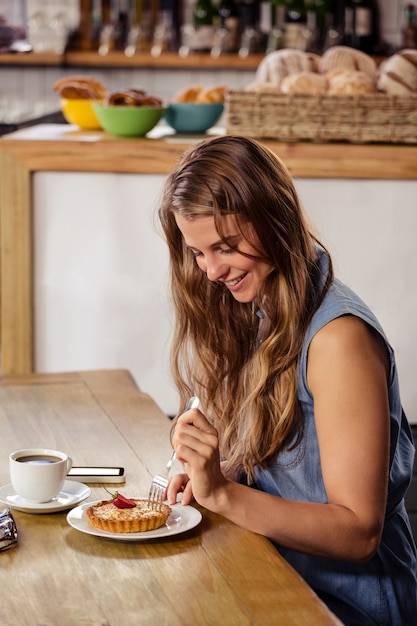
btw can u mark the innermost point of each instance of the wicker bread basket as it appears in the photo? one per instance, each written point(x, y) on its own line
point(356, 119)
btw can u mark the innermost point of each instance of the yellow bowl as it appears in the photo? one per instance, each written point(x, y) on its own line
point(81, 113)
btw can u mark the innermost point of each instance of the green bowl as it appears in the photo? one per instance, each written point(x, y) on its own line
point(127, 121)
point(190, 117)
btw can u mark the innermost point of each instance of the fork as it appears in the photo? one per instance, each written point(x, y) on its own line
point(160, 481)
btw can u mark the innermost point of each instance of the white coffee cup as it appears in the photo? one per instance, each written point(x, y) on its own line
point(38, 474)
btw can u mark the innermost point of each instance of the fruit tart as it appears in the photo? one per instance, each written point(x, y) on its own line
point(127, 515)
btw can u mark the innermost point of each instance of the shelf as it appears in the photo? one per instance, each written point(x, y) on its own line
point(119, 59)
point(29, 59)
point(167, 60)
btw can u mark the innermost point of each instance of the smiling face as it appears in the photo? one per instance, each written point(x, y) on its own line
point(240, 274)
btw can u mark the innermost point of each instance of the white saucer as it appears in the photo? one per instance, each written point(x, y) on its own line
point(72, 493)
point(182, 518)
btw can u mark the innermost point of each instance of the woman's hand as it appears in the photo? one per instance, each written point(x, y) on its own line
point(179, 483)
point(196, 445)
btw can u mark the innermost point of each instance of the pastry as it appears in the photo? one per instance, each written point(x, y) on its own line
point(80, 87)
point(132, 98)
point(349, 82)
point(309, 83)
point(280, 63)
point(140, 517)
point(189, 94)
point(211, 94)
point(200, 94)
point(346, 58)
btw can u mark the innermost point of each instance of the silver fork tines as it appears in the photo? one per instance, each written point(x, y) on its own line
point(160, 481)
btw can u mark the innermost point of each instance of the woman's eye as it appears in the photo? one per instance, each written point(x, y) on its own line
point(197, 253)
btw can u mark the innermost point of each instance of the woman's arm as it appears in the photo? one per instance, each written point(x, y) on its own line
point(347, 374)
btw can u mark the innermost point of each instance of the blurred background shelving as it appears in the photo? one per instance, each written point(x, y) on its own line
point(63, 37)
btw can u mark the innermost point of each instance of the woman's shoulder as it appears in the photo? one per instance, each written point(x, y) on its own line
point(339, 301)
point(341, 317)
point(346, 336)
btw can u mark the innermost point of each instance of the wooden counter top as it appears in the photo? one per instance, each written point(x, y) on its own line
point(62, 147)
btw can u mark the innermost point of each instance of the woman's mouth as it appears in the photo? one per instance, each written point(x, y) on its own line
point(235, 281)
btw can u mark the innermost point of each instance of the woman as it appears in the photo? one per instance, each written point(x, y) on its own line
point(301, 437)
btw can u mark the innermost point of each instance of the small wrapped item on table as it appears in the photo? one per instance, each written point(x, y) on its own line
point(8, 530)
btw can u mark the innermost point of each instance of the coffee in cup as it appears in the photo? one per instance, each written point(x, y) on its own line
point(38, 474)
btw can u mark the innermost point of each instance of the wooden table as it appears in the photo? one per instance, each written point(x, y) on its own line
point(216, 573)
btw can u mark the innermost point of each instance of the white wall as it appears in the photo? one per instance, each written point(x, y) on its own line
point(101, 296)
point(369, 227)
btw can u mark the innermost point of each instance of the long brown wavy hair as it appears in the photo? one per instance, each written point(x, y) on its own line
point(247, 388)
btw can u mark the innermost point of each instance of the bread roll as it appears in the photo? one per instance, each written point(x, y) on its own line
point(127, 97)
point(346, 58)
point(314, 60)
point(281, 63)
point(389, 84)
point(132, 98)
point(399, 73)
point(309, 83)
point(263, 87)
point(189, 94)
point(410, 54)
point(211, 95)
point(201, 95)
point(349, 82)
point(80, 87)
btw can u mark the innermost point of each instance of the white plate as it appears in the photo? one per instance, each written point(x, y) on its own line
point(182, 518)
point(72, 493)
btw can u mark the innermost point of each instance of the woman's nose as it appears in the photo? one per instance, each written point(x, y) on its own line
point(215, 268)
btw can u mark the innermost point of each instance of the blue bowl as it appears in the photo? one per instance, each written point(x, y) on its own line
point(190, 117)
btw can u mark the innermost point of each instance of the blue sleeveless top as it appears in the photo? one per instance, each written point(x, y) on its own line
point(382, 591)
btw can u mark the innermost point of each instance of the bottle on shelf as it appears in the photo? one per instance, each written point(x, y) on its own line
point(250, 42)
point(272, 23)
point(122, 24)
point(295, 21)
point(321, 9)
point(114, 30)
point(227, 33)
point(277, 34)
point(86, 37)
point(409, 31)
point(310, 35)
point(334, 24)
point(362, 25)
point(266, 22)
point(203, 22)
point(144, 18)
point(164, 35)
